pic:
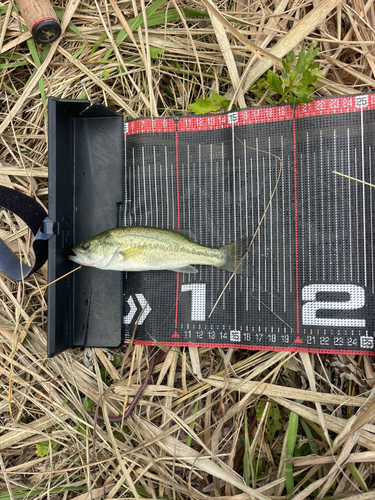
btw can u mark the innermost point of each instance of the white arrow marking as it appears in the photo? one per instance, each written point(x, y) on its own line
point(143, 303)
point(133, 309)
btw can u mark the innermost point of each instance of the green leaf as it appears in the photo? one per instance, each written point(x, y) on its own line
point(135, 23)
point(42, 449)
point(290, 445)
point(246, 454)
point(9, 90)
point(98, 43)
point(168, 92)
point(307, 431)
point(13, 65)
point(277, 84)
point(191, 425)
point(270, 75)
point(33, 492)
point(79, 51)
point(73, 27)
point(87, 403)
point(209, 105)
point(155, 52)
point(288, 61)
point(34, 55)
point(312, 52)
point(273, 419)
point(105, 73)
point(45, 52)
point(302, 62)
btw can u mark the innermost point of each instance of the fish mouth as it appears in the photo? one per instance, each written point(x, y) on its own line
point(75, 258)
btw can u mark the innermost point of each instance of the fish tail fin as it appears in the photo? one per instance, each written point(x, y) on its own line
point(232, 254)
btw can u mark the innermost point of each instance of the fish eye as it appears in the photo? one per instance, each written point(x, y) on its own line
point(85, 246)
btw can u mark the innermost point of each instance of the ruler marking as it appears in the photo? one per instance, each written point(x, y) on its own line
point(134, 191)
point(330, 244)
point(177, 183)
point(343, 215)
point(166, 183)
point(223, 190)
point(182, 180)
point(290, 191)
point(139, 195)
point(271, 221)
point(264, 223)
point(150, 194)
point(247, 224)
point(156, 191)
point(350, 211)
point(240, 209)
point(322, 203)
point(144, 184)
point(212, 220)
point(335, 178)
point(126, 194)
point(235, 222)
point(364, 198)
point(357, 210)
point(296, 223)
point(206, 270)
point(178, 223)
point(211, 195)
point(309, 205)
point(188, 186)
point(371, 225)
point(277, 232)
point(252, 218)
point(189, 197)
point(258, 205)
point(283, 222)
point(337, 246)
point(161, 193)
point(302, 217)
point(218, 232)
point(315, 205)
point(200, 191)
point(173, 209)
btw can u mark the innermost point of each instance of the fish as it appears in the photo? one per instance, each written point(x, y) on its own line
point(136, 248)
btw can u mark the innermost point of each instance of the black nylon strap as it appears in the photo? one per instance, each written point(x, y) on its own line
point(34, 215)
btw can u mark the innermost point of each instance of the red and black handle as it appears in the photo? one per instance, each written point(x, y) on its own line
point(41, 19)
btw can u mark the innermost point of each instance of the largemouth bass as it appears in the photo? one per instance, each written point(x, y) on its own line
point(144, 249)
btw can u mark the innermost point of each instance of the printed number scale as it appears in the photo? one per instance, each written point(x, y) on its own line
point(310, 278)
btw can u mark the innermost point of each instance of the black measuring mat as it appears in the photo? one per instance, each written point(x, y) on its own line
point(309, 280)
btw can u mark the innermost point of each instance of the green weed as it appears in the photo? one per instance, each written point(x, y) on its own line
point(296, 84)
point(273, 419)
point(210, 104)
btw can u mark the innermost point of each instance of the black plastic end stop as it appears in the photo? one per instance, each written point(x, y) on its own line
point(46, 31)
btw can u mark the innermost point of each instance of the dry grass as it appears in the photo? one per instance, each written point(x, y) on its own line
point(214, 423)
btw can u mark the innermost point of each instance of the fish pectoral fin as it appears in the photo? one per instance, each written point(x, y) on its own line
point(131, 252)
point(185, 269)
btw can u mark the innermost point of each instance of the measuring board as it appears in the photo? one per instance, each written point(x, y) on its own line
point(310, 281)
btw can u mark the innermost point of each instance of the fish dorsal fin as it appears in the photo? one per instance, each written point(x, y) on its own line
point(186, 233)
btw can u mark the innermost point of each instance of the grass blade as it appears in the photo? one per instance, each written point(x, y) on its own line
point(191, 425)
point(34, 55)
point(307, 431)
point(291, 443)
